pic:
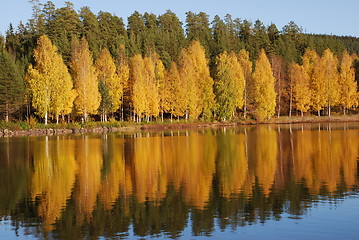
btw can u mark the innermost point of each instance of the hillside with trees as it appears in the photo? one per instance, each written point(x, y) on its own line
point(65, 65)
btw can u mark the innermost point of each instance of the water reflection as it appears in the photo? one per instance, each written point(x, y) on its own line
point(156, 183)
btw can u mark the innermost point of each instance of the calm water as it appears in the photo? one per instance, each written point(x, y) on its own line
point(272, 182)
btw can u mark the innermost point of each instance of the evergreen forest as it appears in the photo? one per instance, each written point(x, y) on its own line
point(64, 65)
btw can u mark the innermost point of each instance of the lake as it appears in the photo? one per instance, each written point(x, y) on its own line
point(247, 182)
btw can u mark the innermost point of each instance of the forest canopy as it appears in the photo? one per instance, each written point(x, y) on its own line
point(158, 67)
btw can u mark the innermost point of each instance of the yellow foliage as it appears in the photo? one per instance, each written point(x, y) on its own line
point(263, 93)
point(137, 85)
point(301, 87)
point(123, 72)
point(49, 81)
point(145, 98)
point(243, 58)
point(198, 55)
point(85, 79)
point(348, 91)
point(151, 90)
point(195, 71)
point(107, 72)
point(187, 73)
point(174, 92)
point(325, 81)
point(229, 85)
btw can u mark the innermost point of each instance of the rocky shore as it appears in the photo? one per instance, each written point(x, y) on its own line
point(176, 126)
point(50, 131)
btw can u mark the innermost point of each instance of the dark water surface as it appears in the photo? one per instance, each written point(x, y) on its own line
point(257, 182)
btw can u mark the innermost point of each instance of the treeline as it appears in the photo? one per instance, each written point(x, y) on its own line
point(63, 62)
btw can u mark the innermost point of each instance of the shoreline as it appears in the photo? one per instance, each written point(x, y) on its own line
point(177, 126)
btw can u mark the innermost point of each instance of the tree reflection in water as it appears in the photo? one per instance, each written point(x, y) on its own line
point(157, 182)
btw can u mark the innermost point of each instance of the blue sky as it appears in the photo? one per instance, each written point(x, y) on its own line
point(338, 17)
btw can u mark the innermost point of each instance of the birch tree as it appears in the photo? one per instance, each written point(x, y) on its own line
point(49, 81)
point(85, 79)
point(107, 74)
point(263, 93)
point(348, 86)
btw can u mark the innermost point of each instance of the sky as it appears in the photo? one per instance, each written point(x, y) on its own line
point(336, 17)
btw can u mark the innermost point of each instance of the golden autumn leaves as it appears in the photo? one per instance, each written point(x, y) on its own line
point(318, 84)
point(186, 89)
point(49, 81)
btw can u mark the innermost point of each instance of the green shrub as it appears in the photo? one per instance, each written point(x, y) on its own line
point(24, 125)
point(10, 125)
point(32, 122)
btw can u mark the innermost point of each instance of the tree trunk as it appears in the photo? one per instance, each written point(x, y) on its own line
point(279, 93)
point(301, 113)
point(46, 118)
point(122, 117)
point(291, 99)
point(28, 111)
point(279, 106)
point(7, 113)
point(245, 104)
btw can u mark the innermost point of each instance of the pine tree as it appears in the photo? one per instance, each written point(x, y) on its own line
point(198, 29)
point(107, 74)
point(348, 85)
point(220, 36)
point(229, 85)
point(260, 37)
point(91, 30)
point(11, 84)
point(49, 82)
point(263, 93)
point(64, 25)
point(135, 30)
point(172, 38)
point(85, 79)
point(112, 32)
